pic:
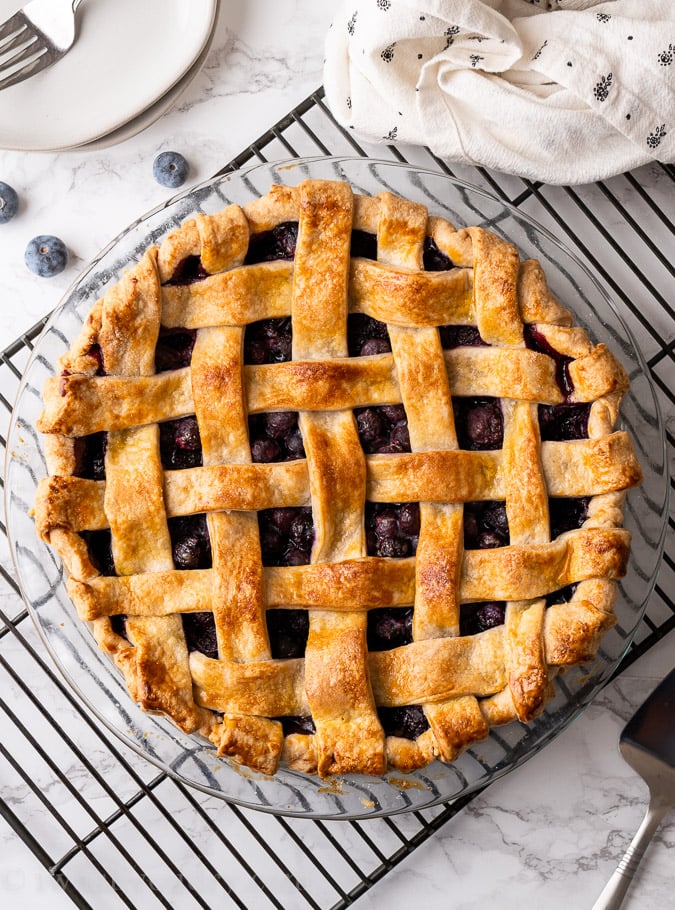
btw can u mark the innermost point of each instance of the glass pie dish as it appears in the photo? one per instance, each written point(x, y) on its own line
point(193, 759)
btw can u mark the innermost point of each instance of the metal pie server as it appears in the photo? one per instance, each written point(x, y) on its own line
point(648, 745)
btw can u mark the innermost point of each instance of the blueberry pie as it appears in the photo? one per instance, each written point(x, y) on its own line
point(336, 484)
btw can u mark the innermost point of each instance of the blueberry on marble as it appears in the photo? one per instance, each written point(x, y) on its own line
point(46, 255)
point(170, 169)
point(9, 202)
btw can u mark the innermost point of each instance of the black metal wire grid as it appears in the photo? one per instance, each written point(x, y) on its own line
point(115, 832)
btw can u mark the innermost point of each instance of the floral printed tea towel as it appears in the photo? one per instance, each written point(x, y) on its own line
point(568, 91)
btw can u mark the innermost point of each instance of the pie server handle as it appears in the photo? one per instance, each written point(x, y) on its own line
point(615, 890)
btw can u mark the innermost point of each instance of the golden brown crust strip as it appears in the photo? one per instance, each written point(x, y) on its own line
point(231, 298)
point(524, 573)
point(421, 672)
point(349, 738)
point(495, 282)
point(403, 298)
point(114, 403)
point(597, 465)
point(139, 532)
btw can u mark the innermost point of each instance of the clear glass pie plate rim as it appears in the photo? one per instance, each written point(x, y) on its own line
point(192, 759)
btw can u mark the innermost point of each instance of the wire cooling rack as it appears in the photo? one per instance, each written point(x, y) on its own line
point(116, 833)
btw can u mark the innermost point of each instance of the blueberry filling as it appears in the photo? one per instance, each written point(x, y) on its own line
point(567, 514)
point(268, 341)
point(461, 336)
point(188, 271)
point(174, 349)
point(89, 454)
point(363, 244)
point(479, 423)
point(278, 243)
point(97, 354)
point(297, 724)
point(288, 631)
point(485, 525)
point(119, 625)
point(366, 336)
point(434, 260)
point(275, 437)
point(535, 341)
point(408, 722)
point(565, 421)
point(389, 628)
point(180, 445)
point(558, 423)
point(200, 633)
point(99, 544)
point(383, 430)
point(478, 617)
point(190, 542)
point(286, 536)
point(392, 529)
point(561, 596)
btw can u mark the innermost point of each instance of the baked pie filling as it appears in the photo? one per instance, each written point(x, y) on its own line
point(336, 484)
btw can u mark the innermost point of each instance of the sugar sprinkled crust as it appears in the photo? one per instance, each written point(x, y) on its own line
point(530, 355)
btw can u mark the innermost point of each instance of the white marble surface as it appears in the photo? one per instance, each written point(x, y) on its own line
point(549, 834)
point(266, 58)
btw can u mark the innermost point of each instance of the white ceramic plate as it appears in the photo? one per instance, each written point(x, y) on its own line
point(128, 54)
point(159, 108)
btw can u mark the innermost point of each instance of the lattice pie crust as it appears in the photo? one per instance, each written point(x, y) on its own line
point(523, 355)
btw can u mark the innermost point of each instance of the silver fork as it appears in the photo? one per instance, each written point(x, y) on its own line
point(35, 37)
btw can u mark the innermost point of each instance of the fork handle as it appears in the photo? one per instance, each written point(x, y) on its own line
point(615, 890)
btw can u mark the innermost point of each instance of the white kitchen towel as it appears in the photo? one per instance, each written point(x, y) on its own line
point(569, 91)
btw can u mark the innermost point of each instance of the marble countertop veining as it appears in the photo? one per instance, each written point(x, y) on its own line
point(550, 833)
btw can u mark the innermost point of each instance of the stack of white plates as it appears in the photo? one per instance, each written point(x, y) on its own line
point(130, 62)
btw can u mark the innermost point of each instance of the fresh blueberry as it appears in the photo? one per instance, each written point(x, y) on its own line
point(170, 169)
point(9, 202)
point(46, 255)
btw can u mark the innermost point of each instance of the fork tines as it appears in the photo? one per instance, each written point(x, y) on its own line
point(21, 49)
